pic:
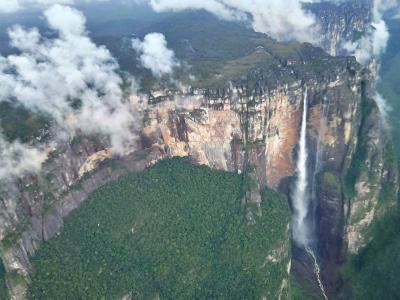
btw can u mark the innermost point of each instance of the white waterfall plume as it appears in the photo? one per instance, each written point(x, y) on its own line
point(301, 199)
point(300, 193)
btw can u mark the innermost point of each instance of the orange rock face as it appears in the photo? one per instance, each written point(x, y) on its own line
point(270, 130)
point(281, 139)
point(261, 129)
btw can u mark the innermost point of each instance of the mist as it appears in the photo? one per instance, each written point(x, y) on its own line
point(12, 6)
point(283, 20)
point(78, 84)
point(300, 193)
point(16, 159)
point(373, 44)
point(69, 79)
point(154, 54)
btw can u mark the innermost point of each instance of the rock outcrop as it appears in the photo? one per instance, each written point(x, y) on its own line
point(341, 22)
point(254, 123)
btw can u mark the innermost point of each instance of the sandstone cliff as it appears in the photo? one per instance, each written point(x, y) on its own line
point(250, 123)
point(341, 22)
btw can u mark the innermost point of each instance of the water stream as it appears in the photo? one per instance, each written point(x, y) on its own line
point(300, 194)
point(301, 199)
point(317, 271)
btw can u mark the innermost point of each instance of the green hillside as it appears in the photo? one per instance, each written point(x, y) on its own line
point(373, 272)
point(177, 231)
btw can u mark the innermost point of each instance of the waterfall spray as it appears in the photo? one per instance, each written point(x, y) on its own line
point(301, 198)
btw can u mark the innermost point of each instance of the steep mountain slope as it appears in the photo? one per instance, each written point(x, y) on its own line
point(243, 115)
point(388, 84)
point(175, 231)
point(372, 271)
point(341, 22)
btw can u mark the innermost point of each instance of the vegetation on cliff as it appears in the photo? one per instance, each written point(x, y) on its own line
point(175, 230)
point(217, 52)
point(17, 123)
point(372, 273)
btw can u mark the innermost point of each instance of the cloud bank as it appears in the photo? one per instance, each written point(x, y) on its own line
point(154, 54)
point(286, 20)
point(383, 106)
point(374, 43)
point(11, 6)
point(69, 78)
point(17, 158)
point(283, 20)
point(76, 82)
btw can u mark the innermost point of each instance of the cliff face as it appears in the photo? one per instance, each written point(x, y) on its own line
point(251, 124)
point(341, 23)
point(377, 174)
point(264, 126)
point(347, 155)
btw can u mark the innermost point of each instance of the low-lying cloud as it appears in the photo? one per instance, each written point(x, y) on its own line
point(287, 20)
point(11, 6)
point(77, 83)
point(383, 106)
point(154, 54)
point(374, 43)
point(69, 78)
point(283, 20)
point(17, 158)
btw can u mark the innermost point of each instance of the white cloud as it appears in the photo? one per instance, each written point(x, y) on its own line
point(154, 54)
point(50, 74)
point(284, 20)
point(380, 37)
point(9, 6)
point(383, 106)
point(374, 43)
point(381, 6)
point(17, 159)
point(361, 49)
point(66, 20)
point(220, 8)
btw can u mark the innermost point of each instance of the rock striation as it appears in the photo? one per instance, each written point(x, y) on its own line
point(251, 123)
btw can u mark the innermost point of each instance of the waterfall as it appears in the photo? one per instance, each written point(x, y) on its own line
point(301, 199)
point(300, 193)
point(317, 271)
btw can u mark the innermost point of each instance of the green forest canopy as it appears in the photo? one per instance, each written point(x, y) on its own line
point(175, 230)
